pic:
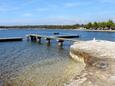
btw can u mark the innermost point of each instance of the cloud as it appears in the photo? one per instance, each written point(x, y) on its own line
point(71, 4)
point(106, 1)
point(45, 21)
point(27, 14)
point(51, 21)
point(42, 9)
point(7, 8)
point(76, 4)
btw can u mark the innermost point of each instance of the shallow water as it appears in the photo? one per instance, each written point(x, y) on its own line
point(27, 63)
point(32, 64)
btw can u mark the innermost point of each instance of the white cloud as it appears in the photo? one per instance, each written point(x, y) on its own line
point(71, 4)
point(42, 9)
point(27, 14)
point(45, 21)
point(76, 4)
point(50, 21)
point(7, 8)
point(106, 1)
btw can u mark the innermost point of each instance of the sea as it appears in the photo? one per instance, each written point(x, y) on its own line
point(26, 63)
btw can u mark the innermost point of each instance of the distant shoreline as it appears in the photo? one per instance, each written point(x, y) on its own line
point(37, 27)
point(100, 30)
point(42, 27)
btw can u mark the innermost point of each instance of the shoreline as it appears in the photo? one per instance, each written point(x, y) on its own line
point(94, 30)
point(100, 30)
point(57, 29)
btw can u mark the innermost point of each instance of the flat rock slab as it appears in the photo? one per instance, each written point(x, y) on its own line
point(99, 57)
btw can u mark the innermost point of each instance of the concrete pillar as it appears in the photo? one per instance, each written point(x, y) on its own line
point(38, 39)
point(48, 40)
point(60, 43)
point(28, 37)
point(31, 37)
point(34, 38)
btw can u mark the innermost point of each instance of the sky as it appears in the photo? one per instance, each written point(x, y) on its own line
point(48, 12)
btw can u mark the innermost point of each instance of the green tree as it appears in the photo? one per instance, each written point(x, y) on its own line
point(110, 24)
point(89, 25)
point(95, 25)
point(102, 24)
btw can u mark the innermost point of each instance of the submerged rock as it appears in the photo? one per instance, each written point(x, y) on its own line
point(99, 57)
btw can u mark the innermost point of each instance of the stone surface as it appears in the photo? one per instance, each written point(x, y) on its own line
point(99, 57)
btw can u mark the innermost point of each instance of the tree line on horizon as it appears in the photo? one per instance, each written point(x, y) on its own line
point(44, 26)
point(107, 25)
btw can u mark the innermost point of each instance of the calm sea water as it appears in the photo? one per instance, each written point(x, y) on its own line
point(32, 64)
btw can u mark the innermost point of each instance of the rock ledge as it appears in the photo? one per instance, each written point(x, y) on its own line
point(99, 57)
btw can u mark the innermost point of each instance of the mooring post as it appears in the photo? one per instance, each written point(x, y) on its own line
point(60, 43)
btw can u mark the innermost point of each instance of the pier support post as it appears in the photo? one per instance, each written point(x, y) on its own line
point(38, 39)
point(60, 43)
point(28, 37)
point(34, 38)
point(48, 41)
point(31, 37)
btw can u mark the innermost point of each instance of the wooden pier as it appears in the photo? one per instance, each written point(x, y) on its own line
point(11, 39)
point(59, 38)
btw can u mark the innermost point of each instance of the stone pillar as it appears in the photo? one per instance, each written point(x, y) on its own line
point(31, 37)
point(48, 41)
point(38, 39)
point(34, 38)
point(28, 37)
point(60, 43)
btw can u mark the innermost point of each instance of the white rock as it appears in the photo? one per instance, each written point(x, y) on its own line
point(99, 56)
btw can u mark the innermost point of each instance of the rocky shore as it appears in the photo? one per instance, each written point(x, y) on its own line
point(99, 57)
